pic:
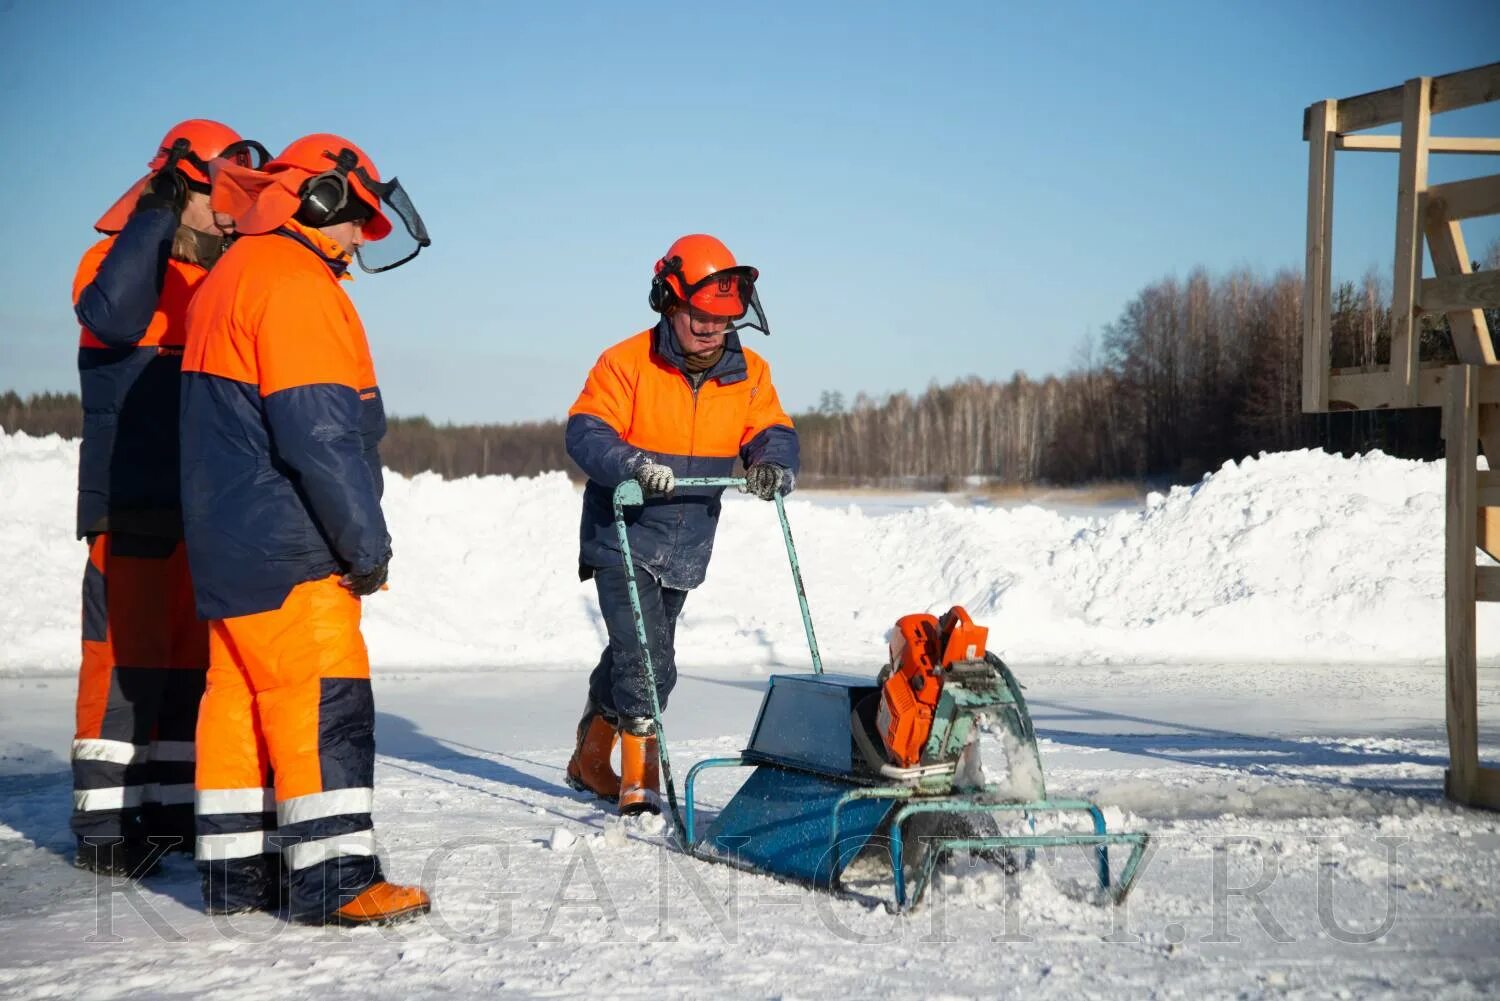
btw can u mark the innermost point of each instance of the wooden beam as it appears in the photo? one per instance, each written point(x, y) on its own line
point(1466, 88)
point(1412, 182)
point(1372, 390)
point(1317, 291)
point(1488, 498)
point(1450, 258)
point(1453, 293)
point(1487, 524)
point(1369, 389)
point(1461, 431)
point(1485, 793)
point(1366, 111)
point(1487, 485)
point(1486, 583)
point(1478, 196)
point(1435, 144)
point(1450, 92)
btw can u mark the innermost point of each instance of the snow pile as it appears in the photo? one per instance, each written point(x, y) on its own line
point(1289, 557)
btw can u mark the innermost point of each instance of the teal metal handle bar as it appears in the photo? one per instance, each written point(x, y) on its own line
point(629, 494)
point(690, 831)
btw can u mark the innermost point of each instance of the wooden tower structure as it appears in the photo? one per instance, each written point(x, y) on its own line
point(1468, 392)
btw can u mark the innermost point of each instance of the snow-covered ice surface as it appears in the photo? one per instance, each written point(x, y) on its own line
point(1250, 670)
point(1314, 786)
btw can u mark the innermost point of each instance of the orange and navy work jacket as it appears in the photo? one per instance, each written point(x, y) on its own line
point(281, 422)
point(639, 405)
point(131, 299)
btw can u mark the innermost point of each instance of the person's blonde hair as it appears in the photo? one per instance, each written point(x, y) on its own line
point(185, 245)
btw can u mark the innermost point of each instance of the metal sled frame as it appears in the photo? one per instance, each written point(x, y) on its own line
point(913, 800)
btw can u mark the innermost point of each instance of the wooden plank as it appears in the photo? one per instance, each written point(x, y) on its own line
point(1317, 289)
point(1412, 181)
point(1371, 389)
point(1487, 525)
point(1435, 144)
point(1453, 293)
point(1484, 794)
point(1450, 257)
point(1450, 92)
point(1486, 583)
point(1461, 431)
point(1366, 111)
point(1487, 789)
point(1487, 487)
point(1487, 497)
point(1478, 196)
point(1466, 88)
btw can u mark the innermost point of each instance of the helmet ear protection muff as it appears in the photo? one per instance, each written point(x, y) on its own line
point(662, 297)
point(181, 151)
point(324, 196)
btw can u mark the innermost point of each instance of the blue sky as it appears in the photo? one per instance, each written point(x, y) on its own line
point(930, 190)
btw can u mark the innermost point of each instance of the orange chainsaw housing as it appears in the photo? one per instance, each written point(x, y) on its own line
point(922, 646)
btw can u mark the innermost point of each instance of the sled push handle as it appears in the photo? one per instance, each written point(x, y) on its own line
point(629, 494)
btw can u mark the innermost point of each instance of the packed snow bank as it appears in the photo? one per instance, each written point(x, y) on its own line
point(1296, 556)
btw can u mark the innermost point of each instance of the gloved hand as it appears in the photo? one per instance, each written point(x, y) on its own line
point(656, 480)
point(764, 480)
point(367, 583)
point(167, 189)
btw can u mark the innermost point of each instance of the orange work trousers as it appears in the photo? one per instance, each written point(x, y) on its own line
point(286, 756)
point(144, 656)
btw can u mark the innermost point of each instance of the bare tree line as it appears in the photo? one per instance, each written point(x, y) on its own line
point(1192, 373)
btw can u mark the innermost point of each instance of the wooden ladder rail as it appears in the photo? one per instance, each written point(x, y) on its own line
point(1466, 780)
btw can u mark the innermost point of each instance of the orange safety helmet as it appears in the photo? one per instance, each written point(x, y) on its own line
point(698, 272)
point(337, 177)
point(314, 180)
point(206, 140)
point(191, 146)
point(263, 203)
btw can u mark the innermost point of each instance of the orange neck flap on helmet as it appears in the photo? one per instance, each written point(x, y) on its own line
point(261, 201)
point(207, 139)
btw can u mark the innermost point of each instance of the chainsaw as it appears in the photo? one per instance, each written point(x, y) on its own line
point(938, 688)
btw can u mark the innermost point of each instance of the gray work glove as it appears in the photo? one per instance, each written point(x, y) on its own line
point(365, 584)
point(764, 480)
point(656, 480)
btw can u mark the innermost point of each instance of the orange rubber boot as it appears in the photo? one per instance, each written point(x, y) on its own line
point(382, 903)
point(640, 774)
point(589, 769)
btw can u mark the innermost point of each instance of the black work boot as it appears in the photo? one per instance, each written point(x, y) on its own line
point(117, 857)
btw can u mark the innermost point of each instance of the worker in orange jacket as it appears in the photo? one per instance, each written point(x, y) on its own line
point(144, 649)
point(281, 483)
point(683, 399)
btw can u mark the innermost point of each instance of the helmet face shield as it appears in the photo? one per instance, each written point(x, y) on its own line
point(727, 295)
point(403, 242)
point(755, 317)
